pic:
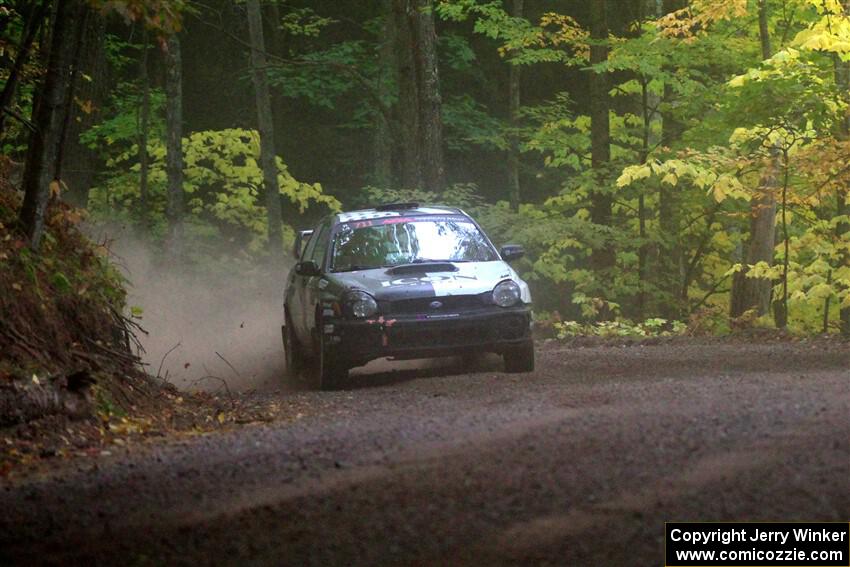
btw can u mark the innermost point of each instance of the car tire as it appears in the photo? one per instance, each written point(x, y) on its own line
point(520, 358)
point(292, 350)
point(326, 371)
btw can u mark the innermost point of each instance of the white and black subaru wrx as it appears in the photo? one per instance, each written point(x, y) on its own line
point(402, 281)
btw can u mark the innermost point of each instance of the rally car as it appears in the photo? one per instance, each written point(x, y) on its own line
point(402, 281)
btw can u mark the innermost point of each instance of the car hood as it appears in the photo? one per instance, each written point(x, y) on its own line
point(448, 278)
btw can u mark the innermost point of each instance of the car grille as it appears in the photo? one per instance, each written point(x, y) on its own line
point(450, 304)
point(455, 333)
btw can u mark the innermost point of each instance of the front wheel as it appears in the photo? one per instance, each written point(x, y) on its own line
point(520, 358)
point(327, 371)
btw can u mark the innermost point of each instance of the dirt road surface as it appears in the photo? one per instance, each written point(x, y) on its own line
point(579, 463)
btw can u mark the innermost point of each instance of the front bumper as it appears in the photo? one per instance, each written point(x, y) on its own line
point(421, 336)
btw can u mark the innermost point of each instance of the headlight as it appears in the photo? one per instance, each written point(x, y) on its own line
point(361, 304)
point(506, 294)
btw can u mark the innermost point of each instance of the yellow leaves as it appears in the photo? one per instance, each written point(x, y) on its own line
point(830, 34)
point(564, 31)
point(820, 291)
point(86, 106)
point(827, 6)
point(670, 179)
point(822, 37)
point(632, 174)
point(727, 186)
point(783, 63)
point(738, 81)
point(720, 186)
point(690, 22)
point(55, 189)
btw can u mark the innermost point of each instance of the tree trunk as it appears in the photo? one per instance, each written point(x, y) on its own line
point(764, 32)
point(265, 123)
point(420, 104)
point(275, 44)
point(174, 145)
point(382, 174)
point(431, 103)
point(49, 118)
point(78, 41)
point(780, 306)
point(842, 229)
point(144, 127)
point(79, 163)
point(754, 293)
point(31, 27)
point(514, 84)
point(602, 257)
point(408, 96)
point(669, 277)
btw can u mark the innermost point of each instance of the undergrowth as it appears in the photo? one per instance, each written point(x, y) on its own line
point(62, 306)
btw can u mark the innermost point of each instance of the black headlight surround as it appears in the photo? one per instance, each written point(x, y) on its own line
point(517, 295)
point(359, 304)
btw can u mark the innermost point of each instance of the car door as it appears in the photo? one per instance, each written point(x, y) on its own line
point(311, 292)
point(297, 293)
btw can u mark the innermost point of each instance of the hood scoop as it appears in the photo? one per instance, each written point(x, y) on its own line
point(422, 268)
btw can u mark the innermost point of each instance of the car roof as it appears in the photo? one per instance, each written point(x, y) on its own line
point(389, 211)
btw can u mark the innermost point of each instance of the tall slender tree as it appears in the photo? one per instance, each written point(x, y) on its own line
point(32, 25)
point(754, 293)
point(514, 100)
point(430, 100)
point(383, 142)
point(79, 163)
point(408, 95)
point(144, 125)
point(602, 257)
point(174, 144)
point(265, 123)
point(842, 229)
point(50, 109)
point(669, 276)
point(420, 102)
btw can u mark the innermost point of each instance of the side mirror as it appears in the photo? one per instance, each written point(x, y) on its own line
point(308, 268)
point(511, 252)
point(301, 238)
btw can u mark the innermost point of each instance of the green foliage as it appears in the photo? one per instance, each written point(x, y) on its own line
point(222, 183)
point(121, 122)
point(697, 122)
point(654, 327)
point(323, 76)
point(462, 195)
point(304, 22)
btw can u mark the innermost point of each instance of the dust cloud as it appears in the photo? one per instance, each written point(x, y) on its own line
point(215, 326)
point(204, 329)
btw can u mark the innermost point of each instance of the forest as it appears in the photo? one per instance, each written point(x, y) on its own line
point(669, 165)
point(594, 277)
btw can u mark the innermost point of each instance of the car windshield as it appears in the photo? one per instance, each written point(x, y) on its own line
point(388, 242)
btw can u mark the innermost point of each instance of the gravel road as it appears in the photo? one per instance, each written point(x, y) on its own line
point(579, 463)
